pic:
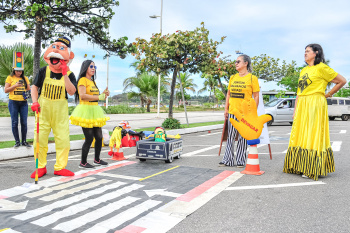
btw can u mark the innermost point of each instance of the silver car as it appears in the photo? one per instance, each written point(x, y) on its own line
point(281, 110)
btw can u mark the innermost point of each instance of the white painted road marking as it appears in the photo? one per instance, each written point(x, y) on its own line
point(118, 176)
point(161, 192)
point(336, 145)
point(275, 185)
point(123, 217)
point(74, 190)
point(94, 215)
point(6, 205)
point(58, 187)
point(68, 201)
point(200, 151)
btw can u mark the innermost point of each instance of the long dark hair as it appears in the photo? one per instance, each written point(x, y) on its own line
point(319, 53)
point(22, 76)
point(84, 67)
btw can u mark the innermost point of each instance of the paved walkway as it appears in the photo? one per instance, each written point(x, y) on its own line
point(135, 120)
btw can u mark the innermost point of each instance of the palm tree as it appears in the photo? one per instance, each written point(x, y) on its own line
point(6, 55)
point(147, 86)
point(187, 84)
point(209, 85)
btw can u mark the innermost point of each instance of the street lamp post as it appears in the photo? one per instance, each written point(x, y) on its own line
point(154, 17)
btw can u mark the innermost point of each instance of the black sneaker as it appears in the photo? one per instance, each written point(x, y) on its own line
point(17, 145)
point(221, 164)
point(86, 166)
point(26, 144)
point(101, 162)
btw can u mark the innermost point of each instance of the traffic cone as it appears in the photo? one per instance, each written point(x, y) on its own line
point(253, 167)
point(119, 156)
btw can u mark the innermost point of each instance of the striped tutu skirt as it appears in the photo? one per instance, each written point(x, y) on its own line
point(309, 151)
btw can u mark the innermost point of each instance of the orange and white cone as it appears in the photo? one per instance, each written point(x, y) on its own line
point(253, 167)
point(119, 156)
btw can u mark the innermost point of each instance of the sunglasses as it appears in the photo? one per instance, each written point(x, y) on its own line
point(237, 62)
point(91, 67)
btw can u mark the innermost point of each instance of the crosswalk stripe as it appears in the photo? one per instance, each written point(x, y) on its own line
point(118, 176)
point(82, 206)
point(74, 190)
point(123, 217)
point(209, 134)
point(68, 201)
point(94, 215)
point(9, 230)
point(58, 187)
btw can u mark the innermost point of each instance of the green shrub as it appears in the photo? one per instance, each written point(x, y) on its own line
point(123, 109)
point(171, 123)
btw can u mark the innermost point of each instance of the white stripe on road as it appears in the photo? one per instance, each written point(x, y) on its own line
point(82, 206)
point(123, 217)
point(166, 217)
point(74, 190)
point(336, 145)
point(118, 176)
point(94, 215)
point(342, 131)
point(58, 187)
point(200, 151)
point(275, 185)
point(65, 202)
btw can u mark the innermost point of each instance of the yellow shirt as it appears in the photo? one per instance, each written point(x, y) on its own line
point(314, 79)
point(91, 89)
point(241, 88)
point(17, 93)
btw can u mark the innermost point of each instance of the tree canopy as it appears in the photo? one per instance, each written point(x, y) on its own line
point(47, 20)
point(182, 51)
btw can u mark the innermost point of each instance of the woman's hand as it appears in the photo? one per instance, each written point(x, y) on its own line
point(106, 92)
point(226, 114)
point(327, 95)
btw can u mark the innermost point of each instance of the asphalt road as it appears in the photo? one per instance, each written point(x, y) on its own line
point(272, 202)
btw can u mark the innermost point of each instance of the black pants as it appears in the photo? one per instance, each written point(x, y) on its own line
point(90, 134)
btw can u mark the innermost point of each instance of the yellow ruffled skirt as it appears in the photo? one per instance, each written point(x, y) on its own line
point(309, 150)
point(88, 116)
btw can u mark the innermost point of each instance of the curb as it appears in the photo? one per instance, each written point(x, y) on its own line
point(23, 152)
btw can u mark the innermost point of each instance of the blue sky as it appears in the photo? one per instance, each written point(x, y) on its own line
point(280, 29)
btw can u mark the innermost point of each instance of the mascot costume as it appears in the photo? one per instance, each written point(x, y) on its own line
point(50, 100)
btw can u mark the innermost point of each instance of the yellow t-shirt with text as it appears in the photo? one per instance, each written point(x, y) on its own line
point(241, 88)
point(17, 93)
point(314, 79)
point(91, 89)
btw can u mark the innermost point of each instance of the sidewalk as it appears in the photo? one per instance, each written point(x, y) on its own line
point(136, 121)
point(22, 152)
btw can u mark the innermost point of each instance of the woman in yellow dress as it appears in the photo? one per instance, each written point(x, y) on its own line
point(88, 114)
point(309, 152)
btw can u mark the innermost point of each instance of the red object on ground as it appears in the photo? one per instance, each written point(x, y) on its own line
point(63, 172)
point(41, 172)
point(133, 140)
point(209, 131)
point(110, 153)
point(125, 141)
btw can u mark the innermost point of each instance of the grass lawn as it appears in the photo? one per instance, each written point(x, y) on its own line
point(9, 144)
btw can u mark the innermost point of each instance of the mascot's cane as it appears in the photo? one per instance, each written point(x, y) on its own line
point(37, 148)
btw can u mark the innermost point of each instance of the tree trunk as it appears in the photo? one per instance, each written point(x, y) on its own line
point(222, 88)
point(172, 90)
point(37, 46)
point(149, 105)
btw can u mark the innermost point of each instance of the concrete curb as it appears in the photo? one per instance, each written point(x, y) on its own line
point(22, 152)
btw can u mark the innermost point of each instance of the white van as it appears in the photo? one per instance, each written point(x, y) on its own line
point(338, 107)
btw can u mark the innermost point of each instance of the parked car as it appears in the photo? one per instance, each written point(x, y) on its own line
point(281, 110)
point(338, 107)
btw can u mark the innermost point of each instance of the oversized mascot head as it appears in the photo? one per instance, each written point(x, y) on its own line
point(57, 51)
